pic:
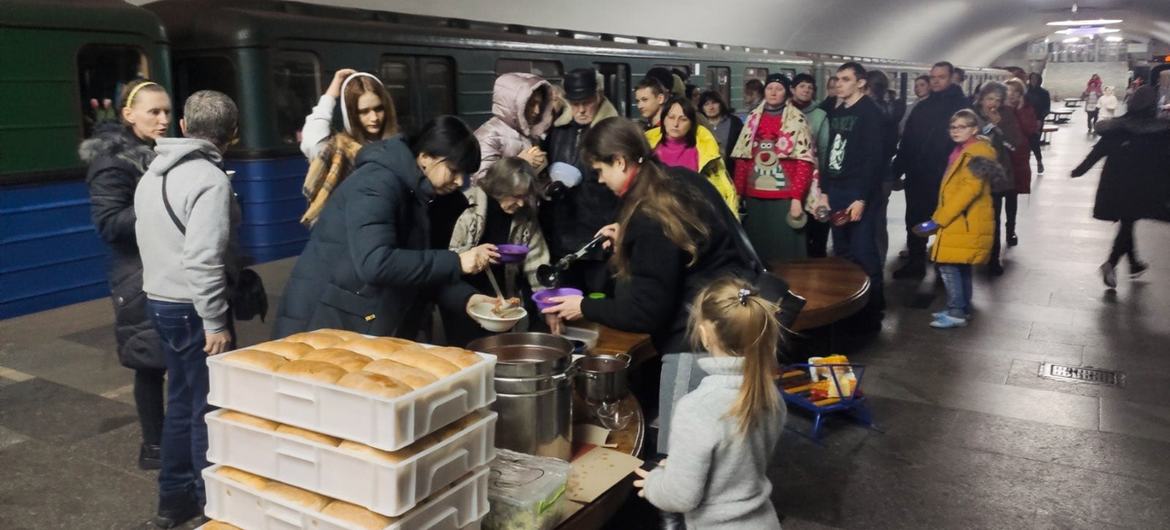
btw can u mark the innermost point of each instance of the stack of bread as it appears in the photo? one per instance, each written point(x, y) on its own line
point(380, 367)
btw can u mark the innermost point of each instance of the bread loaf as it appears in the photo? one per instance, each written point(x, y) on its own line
point(356, 515)
point(346, 359)
point(314, 339)
point(248, 419)
point(457, 356)
point(342, 334)
point(269, 362)
point(377, 347)
point(289, 350)
point(313, 371)
point(218, 525)
point(419, 358)
point(243, 477)
point(374, 384)
point(411, 376)
point(365, 450)
point(309, 435)
point(298, 496)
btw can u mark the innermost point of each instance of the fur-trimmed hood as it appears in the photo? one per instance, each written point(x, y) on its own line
point(606, 110)
point(987, 169)
point(1132, 125)
point(118, 143)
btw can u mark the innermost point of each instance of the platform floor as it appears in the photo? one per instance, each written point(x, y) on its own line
point(972, 437)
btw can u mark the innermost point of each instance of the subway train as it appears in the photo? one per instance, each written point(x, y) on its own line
point(64, 62)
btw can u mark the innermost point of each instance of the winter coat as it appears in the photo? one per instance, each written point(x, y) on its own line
point(965, 213)
point(711, 164)
point(117, 159)
point(508, 132)
point(734, 128)
point(1029, 127)
point(525, 231)
point(1007, 138)
point(1040, 100)
point(571, 221)
point(1108, 104)
point(926, 144)
point(367, 266)
point(1135, 183)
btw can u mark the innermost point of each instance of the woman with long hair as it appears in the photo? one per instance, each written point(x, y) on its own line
point(367, 115)
point(672, 238)
point(680, 141)
point(1020, 168)
point(118, 155)
point(998, 124)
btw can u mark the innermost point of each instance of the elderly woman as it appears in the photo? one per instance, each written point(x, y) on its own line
point(1000, 126)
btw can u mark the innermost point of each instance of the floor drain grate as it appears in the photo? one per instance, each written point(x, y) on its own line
point(1080, 374)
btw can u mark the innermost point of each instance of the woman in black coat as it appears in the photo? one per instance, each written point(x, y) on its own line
point(1135, 183)
point(672, 238)
point(368, 266)
point(118, 154)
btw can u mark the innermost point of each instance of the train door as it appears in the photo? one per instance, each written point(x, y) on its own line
point(616, 84)
point(719, 80)
point(422, 87)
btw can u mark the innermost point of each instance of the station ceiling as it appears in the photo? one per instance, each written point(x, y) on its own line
point(974, 32)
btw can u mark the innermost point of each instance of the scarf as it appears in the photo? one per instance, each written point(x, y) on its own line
point(326, 172)
point(793, 130)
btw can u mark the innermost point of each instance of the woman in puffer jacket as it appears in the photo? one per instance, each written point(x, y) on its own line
point(522, 112)
point(118, 155)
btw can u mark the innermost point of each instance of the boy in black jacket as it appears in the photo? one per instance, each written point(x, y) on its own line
point(853, 178)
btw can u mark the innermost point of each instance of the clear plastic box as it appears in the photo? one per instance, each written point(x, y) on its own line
point(526, 492)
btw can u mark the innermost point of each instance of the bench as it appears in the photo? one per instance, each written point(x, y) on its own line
point(1060, 116)
point(1046, 134)
point(1072, 102)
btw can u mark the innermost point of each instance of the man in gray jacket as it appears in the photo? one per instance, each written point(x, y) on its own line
point(186, 222)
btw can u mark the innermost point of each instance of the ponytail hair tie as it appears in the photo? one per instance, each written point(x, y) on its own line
point(743, 296)
point(344, 113)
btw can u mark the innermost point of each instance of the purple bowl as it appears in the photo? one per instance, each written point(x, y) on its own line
point(541, 297)
point(512, 253)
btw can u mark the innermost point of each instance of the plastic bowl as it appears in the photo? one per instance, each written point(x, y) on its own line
point(482, 314)
point(541, 297)
point(512, 253)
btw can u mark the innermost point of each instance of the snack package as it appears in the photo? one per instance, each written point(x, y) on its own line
point(526, 492)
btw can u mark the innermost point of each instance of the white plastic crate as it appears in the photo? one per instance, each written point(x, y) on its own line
point(383, 487)
point(457, 508)
point(386, 423)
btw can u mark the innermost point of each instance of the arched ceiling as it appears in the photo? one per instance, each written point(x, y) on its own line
point(974, 32)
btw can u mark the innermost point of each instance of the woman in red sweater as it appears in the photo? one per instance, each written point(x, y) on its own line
point(774, 161)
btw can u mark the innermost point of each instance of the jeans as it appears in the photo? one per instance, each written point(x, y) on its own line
point(184, 435)
point(1123, 245)
point(858, 242)
point(957, 280)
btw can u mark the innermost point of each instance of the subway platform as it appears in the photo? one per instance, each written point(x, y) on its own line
point(970, 436)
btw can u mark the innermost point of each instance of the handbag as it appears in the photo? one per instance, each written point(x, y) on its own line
point(247, 298)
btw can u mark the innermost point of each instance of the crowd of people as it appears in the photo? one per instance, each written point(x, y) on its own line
point(670, 218)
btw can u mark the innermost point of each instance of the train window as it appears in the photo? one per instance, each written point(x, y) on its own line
point(552, 71)
point(684, 68)
point(438, 82)
point(719, 80)
point(616, 78)
point(209, 72)
point(395, 74)
point(101, 73)
point(296, 80)
point(755, 73)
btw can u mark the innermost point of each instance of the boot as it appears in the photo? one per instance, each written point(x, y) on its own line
point(914, 269)
point(176, 509)
point(149, 456)
point(995, 268)
point(1012, 240)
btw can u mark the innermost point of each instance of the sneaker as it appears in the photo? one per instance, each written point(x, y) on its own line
point(939, 314)
point(176, 509)
point(948, 322)
point(1109, 275)
point(1012, 240)
point(1137, 268)
point(1040, 167)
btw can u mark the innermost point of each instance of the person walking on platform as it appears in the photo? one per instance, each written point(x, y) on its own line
point(774, 162)
point(922, 159)
point(649, 97)
point(1135, 183)
point(1000, 127)
point(1108, 103)
point(118, 155)
point(962, 223)
point(521, 115)
point(1021, 170)
point(1092, 96)
point(853, 181)
point(367, 115)
point(186, 223)
point(681, 142)
point(804, 90)
point(1041, 102)
point(726, 430)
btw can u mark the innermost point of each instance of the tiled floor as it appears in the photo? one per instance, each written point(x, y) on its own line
point(971, 437)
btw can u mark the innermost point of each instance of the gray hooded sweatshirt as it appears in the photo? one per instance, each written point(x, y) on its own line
point(193, 268)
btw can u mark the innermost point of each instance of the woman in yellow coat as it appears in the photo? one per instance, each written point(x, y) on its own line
point(690, 145)
point(965, 218)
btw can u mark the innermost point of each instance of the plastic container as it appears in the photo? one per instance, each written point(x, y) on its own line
point(458, 507)
point(512, 253)
point(541, 297)
point(526, 491)
point(386, 423)
point(387, 488)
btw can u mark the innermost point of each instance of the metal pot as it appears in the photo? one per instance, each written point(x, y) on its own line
point(533, 382)
point(602, 378)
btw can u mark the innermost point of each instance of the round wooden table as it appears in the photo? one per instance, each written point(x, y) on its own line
point(833, 288)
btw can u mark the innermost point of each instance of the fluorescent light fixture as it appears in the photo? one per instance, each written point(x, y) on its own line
point(1097, 22)
point(1087, 31)
point(1115, 38)
point(1071, 40)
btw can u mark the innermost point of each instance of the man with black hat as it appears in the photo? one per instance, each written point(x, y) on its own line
point(571, 220)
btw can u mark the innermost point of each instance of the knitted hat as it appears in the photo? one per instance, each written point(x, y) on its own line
point(779, 78)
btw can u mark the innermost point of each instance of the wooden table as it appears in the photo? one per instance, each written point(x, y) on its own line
point(833, 288)
point(612, 341)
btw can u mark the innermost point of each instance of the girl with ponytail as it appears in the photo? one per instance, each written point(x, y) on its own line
point(725, 431)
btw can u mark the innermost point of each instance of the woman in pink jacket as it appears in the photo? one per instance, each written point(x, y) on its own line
point(522, 112)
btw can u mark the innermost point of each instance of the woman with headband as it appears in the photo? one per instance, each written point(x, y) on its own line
point(367, 112)
point(118, 155)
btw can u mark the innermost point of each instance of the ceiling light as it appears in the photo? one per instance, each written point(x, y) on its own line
point(1097, 22)
point(1071, 40)
point(1115, 38)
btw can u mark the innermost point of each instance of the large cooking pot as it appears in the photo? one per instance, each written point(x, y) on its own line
point(534, 387)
